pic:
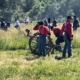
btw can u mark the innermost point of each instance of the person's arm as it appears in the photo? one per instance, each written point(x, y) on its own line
point(47, 31)
point(36, 27)
point(70, 30)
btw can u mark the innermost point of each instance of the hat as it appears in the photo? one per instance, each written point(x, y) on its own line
point(69, 17)
point(40, 23)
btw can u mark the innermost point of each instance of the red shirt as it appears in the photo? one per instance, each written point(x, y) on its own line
point(56, 30)
point(68, 27)
point(43, 30)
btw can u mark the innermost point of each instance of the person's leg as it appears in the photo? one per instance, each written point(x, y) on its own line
point(74, 28)
point(69, 49)
point(43, 45)
point(65, 46)
point(39, 45)
point(64, 50)
point(57, 41)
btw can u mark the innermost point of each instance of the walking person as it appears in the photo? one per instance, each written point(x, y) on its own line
point(75, 23)
point(43, 30)
point(67, 29)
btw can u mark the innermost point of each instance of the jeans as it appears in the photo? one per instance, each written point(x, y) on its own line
point(74, 28)
point(67, 46)
point(41, 44)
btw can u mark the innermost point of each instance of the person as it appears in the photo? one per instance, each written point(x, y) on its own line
point(27, 20)
point(59, 36)
point(17, 23)
point(8, 24)
point(54, 23)
point(3, 24)
point(68, 36)
point(29, 34)
point(43, 30)
point(75, 23)
point(45, 22)
point(49, 21)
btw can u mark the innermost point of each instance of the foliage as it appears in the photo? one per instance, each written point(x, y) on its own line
point(38, 9)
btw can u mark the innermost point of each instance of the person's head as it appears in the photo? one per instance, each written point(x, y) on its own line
point(2, 20)
point(40, 24)
point(27, 30)
point(74, 17)
point(16, 19)
point(69, 18)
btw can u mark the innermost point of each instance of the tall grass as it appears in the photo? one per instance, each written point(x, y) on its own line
point(16, 42)
point(14, 39)
point(17, 63)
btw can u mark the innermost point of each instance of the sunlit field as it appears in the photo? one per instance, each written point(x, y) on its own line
point(17, 62)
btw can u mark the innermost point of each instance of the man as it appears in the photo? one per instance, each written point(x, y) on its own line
point(57, 33)
point(49, 21)
point(67, 29)
point(3, 24)
point(54, 23)
point(43, 30)
point(75, 23)
point(17, 23)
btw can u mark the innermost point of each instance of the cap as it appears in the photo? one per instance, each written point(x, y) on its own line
point(40, 23)
point(69, 17)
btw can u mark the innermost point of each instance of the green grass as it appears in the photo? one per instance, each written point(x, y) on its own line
point(17, 62)
point(15, 66)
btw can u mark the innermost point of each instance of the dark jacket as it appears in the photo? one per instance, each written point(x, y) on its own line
point(75, 23)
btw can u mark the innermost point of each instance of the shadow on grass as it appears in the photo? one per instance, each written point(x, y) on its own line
point(58, 58)
point(29, 58)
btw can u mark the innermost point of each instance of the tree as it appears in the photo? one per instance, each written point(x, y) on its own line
point(2, 3)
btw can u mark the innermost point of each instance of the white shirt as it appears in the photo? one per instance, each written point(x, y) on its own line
point(17, 23)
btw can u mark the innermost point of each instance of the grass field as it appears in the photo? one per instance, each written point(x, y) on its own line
point(17, 62)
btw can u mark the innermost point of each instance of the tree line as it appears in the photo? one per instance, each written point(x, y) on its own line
point(39, 9)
